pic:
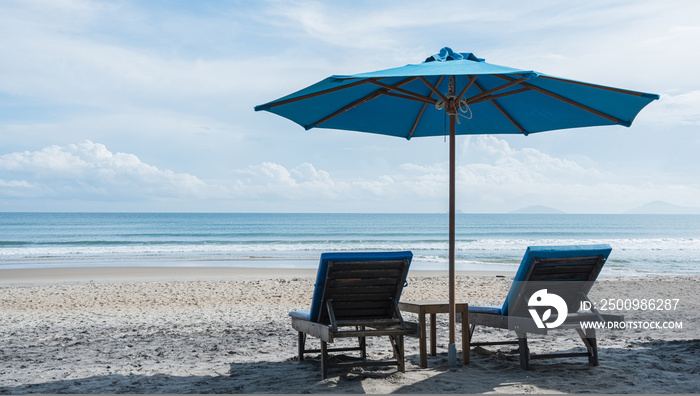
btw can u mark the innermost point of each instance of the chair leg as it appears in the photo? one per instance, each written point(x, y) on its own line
point(302, 345)
point(363, 345)
point(398, 348)
point(394, 346)
point(589, 339)
point(324, 359)
point(465, 338)
point(402, 360)
point(524, 351)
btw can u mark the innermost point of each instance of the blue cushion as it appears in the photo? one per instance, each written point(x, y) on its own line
point(544, 252)
point(492, 309)
point(316, 302)
point(306, 315)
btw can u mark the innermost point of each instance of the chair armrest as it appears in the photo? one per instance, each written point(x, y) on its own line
point(414, 327)
point(318, 330)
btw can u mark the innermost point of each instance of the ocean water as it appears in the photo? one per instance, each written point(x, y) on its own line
point(642, 244)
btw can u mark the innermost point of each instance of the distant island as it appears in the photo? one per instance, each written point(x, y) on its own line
point(537, 209)
point(661, 207)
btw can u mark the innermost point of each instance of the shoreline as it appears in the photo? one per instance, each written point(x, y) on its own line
point(22, 277)
point(128, 274)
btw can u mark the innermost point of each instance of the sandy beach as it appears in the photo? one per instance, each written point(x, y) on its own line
point(215, 330)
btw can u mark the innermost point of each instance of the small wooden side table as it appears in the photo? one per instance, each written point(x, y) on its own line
point(433, 308)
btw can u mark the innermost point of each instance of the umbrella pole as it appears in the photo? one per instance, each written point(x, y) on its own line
point(452, 349)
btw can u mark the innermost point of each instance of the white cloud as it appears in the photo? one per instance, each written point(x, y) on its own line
point(303, 182)
point(495, 178)
point(496, 175)
point(494, 158)
point(674, 109)
point(90, 171)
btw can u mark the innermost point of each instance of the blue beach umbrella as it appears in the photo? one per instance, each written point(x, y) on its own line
point(477, 97)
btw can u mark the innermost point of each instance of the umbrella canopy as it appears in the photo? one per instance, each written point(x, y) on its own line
point(410, 101)
point(478, 98)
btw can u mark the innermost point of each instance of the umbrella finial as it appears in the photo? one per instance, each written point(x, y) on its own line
point(447, 54)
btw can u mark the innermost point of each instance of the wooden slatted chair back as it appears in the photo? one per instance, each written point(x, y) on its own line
point(568, 277)
point(363, 290)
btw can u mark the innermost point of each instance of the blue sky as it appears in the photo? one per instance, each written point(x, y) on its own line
point(148, 106)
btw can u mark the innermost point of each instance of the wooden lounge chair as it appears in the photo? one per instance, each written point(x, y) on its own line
point(356, 295)
point(565, 271)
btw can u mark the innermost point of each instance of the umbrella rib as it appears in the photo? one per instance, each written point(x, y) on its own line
point(512, 121)
point(311, 95)
point(433, 88)
point(396, 88)
point(472, 79)
point(420, 114)
point(490, 91)
point(423, 99)
point(613, 89)
point(571, 102)
point(500, 95)
point(343, 109)
point(360, 101)
point(415, 124)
